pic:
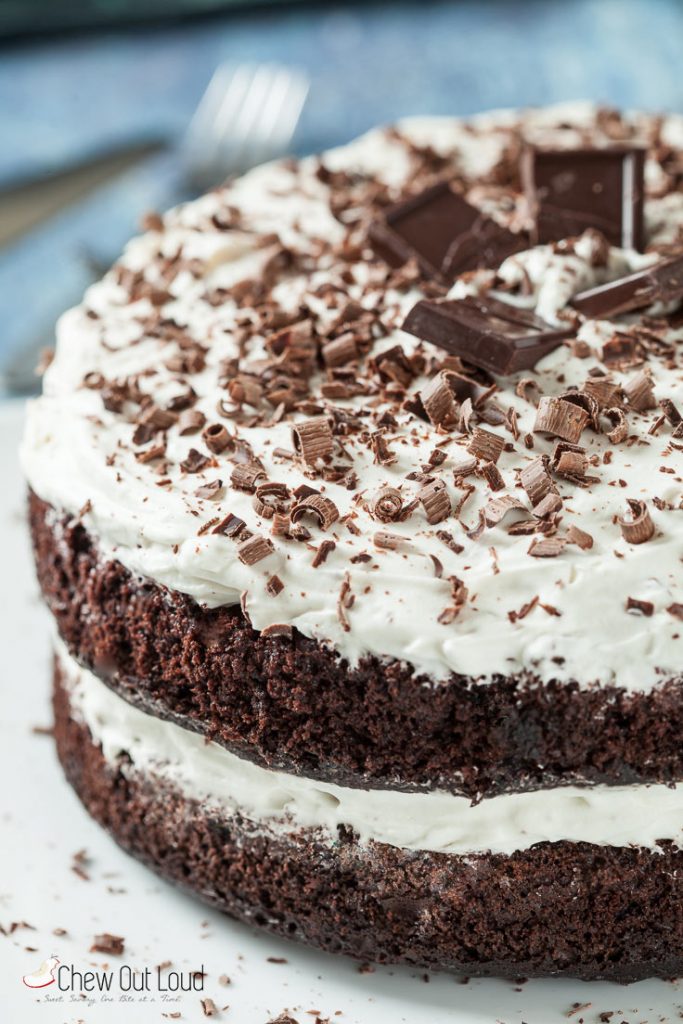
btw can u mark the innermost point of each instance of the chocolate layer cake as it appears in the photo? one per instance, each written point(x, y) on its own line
point(367, 470)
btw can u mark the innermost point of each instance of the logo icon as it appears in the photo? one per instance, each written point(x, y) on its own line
point(44, 976)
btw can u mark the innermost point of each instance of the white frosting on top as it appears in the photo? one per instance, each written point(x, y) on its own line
point(79, 456)
point(441, 822)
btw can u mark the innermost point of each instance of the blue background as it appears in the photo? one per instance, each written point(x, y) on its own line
point(71, 97)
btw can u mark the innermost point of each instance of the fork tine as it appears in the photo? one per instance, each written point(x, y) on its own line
point(245, 128)
point(247, 115)
point(280, 114)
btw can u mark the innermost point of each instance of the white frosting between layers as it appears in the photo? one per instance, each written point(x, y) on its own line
point(153, 530)
point(438, 822)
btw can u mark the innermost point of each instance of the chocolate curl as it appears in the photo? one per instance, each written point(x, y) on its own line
point(245, 476)
point(191, 421)
point(195, 461)
point(323, 509)
point(605, 391)
point(496, 509)
point(560, 418)
point(386, 505)
point(486, 445)
point(619, 431)
point(340, 351)
point(255, 549)
point(570, 461)
point(639, 392)
point(216, 438)
point(536, 480)
point(435, 500)
point(312, 439)
point(439, 402)
point(638, 527)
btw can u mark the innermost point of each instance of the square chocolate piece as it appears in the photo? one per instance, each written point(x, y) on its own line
point(571, 190)
point(444, 233)
point(485, 332)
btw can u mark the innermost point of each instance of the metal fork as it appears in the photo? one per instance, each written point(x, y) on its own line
point(247, 115)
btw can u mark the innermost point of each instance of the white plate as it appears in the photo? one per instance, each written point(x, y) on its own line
point(42, 826)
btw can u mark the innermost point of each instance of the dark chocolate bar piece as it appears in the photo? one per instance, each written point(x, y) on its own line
point(444, 233)
point(572, 190)
point(662, 282)
point(485, 332)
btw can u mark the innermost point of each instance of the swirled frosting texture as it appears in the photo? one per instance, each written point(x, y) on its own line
point(197, 301)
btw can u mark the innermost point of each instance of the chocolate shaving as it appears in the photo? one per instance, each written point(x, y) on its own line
point(244, 476)
point(211, 491)
point(560, 418)
point(547, 547)
point(676, 610)
point(112, 945)
point(439, 402)
point(493, 476)
point(325, 548)
point(619, 431)
point(313, 439)
point(435, 501)
point(639, 392)
point(641, 607)
point(603, 390)
point(497, 509)
point(638, 527)
point(323, 509)
point(388, 541)
point(195, 461)
point(672, 414)
point(275, 586)
point(579, 537)
point(345, 601)
point(190, 421)
point(254, 550)
point(536, 480)
point(459, 595)
point(486, 445)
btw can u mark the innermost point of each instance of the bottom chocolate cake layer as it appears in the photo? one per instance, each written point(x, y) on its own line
point(558, 908)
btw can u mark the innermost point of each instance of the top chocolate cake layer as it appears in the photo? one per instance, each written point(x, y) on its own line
point(236, 411)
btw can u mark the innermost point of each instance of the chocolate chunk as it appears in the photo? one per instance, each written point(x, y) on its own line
point(577, 536)
point(662, 282)
point(489, 334)
point(572, 190)
point(444, 233)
